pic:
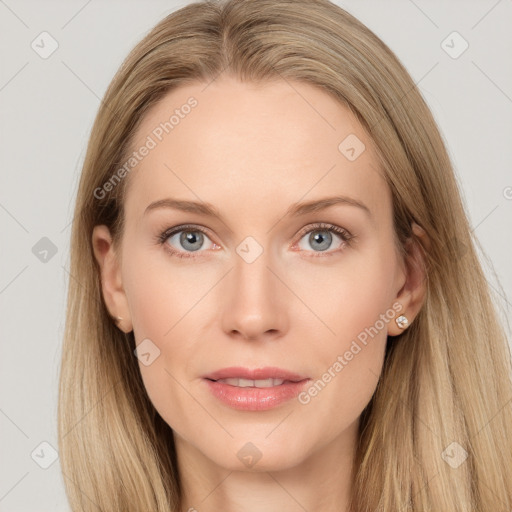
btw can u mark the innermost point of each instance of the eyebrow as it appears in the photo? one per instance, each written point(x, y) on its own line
point(295, 210)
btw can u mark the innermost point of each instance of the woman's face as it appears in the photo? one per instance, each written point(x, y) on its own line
point(261, 285)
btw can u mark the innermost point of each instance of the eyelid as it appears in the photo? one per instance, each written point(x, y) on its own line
point(324, 225)
point(183, 227)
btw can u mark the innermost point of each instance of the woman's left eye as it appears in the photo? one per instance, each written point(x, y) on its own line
point(320, 237)
point(192, 238)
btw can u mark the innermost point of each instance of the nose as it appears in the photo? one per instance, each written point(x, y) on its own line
point(255, 301)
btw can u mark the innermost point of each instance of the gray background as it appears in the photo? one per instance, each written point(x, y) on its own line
point(47, 109)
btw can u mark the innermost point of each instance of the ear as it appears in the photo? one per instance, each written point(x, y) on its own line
point(412, 294)
point(111, 282)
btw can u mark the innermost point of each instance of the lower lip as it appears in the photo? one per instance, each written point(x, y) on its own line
point(255, 399)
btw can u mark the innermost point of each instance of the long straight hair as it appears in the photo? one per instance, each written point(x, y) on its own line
point(437, 433)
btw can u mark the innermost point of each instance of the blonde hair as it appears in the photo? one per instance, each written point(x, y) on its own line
point(445, 379)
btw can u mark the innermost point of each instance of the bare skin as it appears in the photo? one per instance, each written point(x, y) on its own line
point(252, 151)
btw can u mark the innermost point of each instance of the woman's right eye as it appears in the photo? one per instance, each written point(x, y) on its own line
point(183, 241)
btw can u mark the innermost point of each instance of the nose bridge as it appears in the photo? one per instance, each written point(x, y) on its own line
point(255, 303)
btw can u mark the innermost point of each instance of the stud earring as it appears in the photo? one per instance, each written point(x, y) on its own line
point(402, 321)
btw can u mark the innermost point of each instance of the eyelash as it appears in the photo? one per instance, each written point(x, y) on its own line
point(342, 233)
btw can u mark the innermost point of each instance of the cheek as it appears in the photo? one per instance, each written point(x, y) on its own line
point(164, 302)
point(161, 293)
point(347, 296)
point(349, 358)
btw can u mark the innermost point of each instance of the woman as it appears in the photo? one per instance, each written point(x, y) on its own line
point(276, 301)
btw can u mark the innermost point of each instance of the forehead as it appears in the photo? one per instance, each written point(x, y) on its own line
point(251, 145)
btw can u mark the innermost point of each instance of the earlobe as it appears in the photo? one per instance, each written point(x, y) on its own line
point(111, 280)
point(412, 294)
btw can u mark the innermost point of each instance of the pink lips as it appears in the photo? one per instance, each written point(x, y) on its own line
point(254, 398)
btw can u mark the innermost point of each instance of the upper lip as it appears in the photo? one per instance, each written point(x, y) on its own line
point(268, 372)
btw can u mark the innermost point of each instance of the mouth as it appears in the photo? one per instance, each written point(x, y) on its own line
point(254, 389)
point(249, 383)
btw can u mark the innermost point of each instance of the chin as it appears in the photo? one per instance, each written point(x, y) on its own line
point(255, 454)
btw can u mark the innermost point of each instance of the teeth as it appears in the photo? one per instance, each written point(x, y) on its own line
point(247, 383)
